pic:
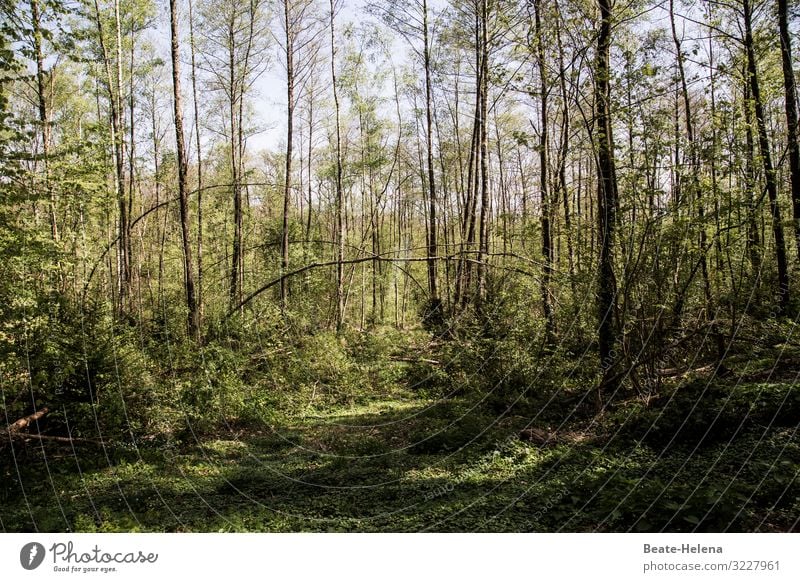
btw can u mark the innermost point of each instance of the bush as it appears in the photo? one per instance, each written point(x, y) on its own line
point(92, 374)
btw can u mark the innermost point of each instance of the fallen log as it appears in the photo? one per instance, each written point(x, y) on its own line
point(25, 421)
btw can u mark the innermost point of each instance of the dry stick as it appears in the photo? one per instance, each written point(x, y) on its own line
point(57, 439)
point(415, 360)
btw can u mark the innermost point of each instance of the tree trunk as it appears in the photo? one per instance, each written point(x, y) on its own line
point(694, 179)
point(483, 239)
point(309, 161)
point(124, 216)
point(766, 157)
point(464, 274)
point(547, 241)
point(606, 206)
point(199, 171)
point(287, 186)
point(340, 232)
point(235, 277)
point(753, 234)
point(562, 162)
point(183, 194)
point(435, 303)
point(43, 114)
point(790, 90)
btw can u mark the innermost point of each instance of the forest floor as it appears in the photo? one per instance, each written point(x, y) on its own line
point(404, 463)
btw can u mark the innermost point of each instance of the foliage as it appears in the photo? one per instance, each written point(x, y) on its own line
point(406, 380)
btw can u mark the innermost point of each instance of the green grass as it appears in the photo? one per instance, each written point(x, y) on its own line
point(408, 463)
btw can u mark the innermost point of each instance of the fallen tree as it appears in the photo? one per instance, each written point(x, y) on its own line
point(16, 431)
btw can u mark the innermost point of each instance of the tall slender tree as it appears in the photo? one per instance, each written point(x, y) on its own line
point(607, 195)
point(183, 177)
point(339, 191)
point(766, 157)
point(790, 92)
point(289, 27)
point(483, 96)
point(435, 301)
point(199, 155)
point(44, 119)
point(544, 168)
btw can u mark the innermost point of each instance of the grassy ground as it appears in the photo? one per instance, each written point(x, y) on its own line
point(401, 462)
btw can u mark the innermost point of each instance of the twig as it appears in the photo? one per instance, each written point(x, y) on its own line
point(58, 439)
point(415, 360)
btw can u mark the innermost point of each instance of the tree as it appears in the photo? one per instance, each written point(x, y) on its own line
point(300, 47)
point(544, 168)
point(183, 194)
point(289, 25)
point(695, 192)
point(234, 52)
point(44, 119)
point(411, 19)
point(790, 92)
point(477, 183)
point(114, 89)
point(339, 193)
point(199, 154)
point(482, 138)
point(766, 157)
point(607, 196)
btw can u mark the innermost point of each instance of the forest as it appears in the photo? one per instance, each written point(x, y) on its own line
point(420, 265)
